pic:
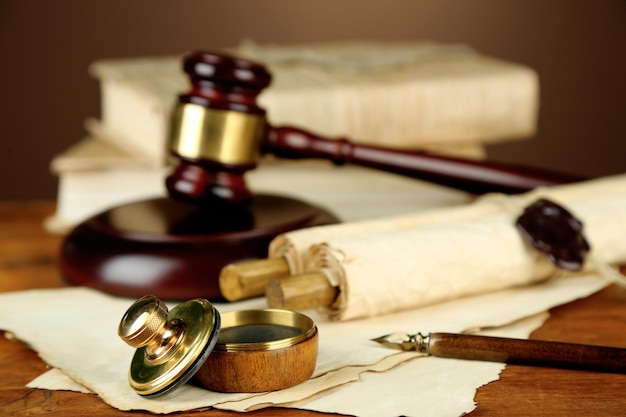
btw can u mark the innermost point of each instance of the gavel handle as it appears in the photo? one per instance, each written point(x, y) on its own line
point(477, 177)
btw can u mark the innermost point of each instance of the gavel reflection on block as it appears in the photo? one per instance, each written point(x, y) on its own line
point(175, 247)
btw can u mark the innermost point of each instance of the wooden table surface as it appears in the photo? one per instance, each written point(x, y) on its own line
point(28, 257)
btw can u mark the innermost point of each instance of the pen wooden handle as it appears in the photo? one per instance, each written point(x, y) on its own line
point(528, 352)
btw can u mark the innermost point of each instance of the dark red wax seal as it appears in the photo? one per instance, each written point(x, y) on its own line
point(553, 230)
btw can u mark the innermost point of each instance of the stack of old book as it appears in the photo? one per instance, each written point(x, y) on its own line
point(410, 95)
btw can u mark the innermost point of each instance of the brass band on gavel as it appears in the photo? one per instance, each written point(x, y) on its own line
point(199, 132)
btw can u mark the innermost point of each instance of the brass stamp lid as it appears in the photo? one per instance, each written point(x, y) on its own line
point(238, 351)
point(171, 346)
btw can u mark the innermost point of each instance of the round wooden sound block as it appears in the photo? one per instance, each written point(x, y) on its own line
point(176, 250)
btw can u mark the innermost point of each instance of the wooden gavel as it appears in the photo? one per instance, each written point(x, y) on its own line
point(219, 132)
point(176, 247)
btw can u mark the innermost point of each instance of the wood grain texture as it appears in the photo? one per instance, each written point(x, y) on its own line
point(28, 259)
point(259, 371)
point(476, 177)
point(529, 352)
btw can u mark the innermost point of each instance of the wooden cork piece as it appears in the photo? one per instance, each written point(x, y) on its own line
point(259, 351)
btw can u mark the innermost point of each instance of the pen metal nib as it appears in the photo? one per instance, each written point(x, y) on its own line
point(404, 341)
point(397, 340)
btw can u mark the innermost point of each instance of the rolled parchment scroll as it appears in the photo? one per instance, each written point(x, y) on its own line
point(286, 252)
point(293, 245)
point(378, 272)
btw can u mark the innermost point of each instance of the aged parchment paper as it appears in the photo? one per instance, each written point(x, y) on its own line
point(75, 331)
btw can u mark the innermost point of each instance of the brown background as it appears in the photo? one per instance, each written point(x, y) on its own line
point(578, 48)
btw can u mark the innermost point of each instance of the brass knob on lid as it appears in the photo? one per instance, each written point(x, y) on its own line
point(143, 321)
point(171, 346)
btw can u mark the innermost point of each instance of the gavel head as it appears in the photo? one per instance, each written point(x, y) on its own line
point(217, 129)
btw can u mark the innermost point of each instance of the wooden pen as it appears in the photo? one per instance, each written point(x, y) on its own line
point(512, 351)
